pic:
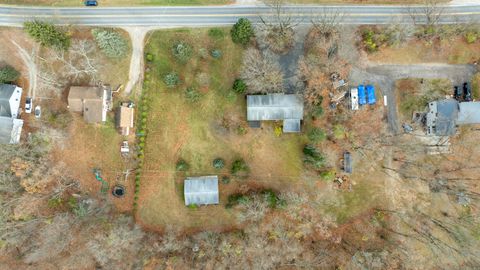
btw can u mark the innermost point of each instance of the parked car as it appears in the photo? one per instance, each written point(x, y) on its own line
point(456, 93)
point(28, 105)
point(38, 111)
point(467, 92)
point(91, 3)
point(124, 149)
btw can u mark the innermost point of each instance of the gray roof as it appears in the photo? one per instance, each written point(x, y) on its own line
point(201, 190)
point(442, 117)
point(347, 162)
point(291, 125)
point(10, 130)
point(469, 113)
point(6, 91)
point(274, 107)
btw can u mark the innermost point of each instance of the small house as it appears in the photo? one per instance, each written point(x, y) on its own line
point(202, 190)
point(10, 125)
point(92, 102)
point(276, 107)
point(441, 117)
point(125, 118)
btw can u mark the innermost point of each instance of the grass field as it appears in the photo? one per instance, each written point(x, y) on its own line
point(200, 132)
point(72, 3)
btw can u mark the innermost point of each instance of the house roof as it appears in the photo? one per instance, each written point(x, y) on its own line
point(125, 117)
point(93, 111)
point(85, 92)
point(469, 113)
point(274, 107)
point(9, 108)
point(442, 117)
point(291, 125)
point(10, 130)
point(201, 190)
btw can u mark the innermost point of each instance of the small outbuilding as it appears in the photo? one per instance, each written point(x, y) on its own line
point(276, 107)
point(201, 190)
point(125, 117)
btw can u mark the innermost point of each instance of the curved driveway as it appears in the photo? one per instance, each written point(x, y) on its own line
point(216, 15)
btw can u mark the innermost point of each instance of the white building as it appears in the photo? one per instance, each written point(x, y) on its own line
point(354, 98)
point(10, 125)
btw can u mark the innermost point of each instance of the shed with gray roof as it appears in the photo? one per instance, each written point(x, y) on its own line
point(202, 190)
point(275, 107)
point(469, 113)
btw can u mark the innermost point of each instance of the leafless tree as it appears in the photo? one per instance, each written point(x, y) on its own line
point(261, 73)
point(427, 18)
point(278, 27)
point(327, 22)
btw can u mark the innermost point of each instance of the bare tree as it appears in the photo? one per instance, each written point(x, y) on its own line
point(327, 22)
point(427, 18)
point(279, 27)
point(261, 73)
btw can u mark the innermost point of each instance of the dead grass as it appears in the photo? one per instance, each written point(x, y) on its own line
point(69, 3)
point(194, 132)
point(455, 51)
point(371, 2)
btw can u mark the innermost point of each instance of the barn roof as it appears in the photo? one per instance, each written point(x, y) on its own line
point(201, 190)
point(274, 107)
point(469, 113)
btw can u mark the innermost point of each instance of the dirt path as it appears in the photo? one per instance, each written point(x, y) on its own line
point(28, 60)
point(137, 36)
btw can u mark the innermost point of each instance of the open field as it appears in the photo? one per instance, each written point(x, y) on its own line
point(201, 132)
point(72, 3)
point(455, 51)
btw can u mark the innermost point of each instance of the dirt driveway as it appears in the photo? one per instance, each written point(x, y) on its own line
point(384, 76)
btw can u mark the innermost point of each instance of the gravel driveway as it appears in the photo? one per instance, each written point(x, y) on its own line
point(385, 76)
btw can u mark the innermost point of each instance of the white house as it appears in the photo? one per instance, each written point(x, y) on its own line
point(10, 125)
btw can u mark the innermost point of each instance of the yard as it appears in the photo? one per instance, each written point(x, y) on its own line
point(201, 131)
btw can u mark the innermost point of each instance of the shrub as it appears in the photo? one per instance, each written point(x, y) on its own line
point(471, 37)
point(241, 130)
point(339, 132)
point(225, 179)
point(192, 95)
point(238, 166)
point(182, 165)
point(216, 53)
point(47, 34)
point(218, 163)
point(182, 51)
point(278, 131)
point(242, 31)
point(8, 74)
point(171, 79)
point(149, 57)
point(231, 97)
point(203, 53)
point(112, 43)
point(216, 33)
point(239, 86)
point(316, 135)
point(203, 79)
point(328, 176)
point(192, 206)
point(313, 157)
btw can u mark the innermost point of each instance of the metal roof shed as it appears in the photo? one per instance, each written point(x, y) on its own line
point(202, 190)
point(469, 113)
point(274, 107)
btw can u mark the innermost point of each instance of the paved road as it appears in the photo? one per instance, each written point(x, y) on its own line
point(215, 15)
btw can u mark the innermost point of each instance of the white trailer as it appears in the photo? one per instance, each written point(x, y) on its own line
point(354, 98)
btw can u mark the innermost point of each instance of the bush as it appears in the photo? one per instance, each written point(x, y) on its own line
point(231, 97)
point(112, 43)
point(149, 57)
point(238, 166)
point(171, 79)
point(216, 53)
point(316, 135)
point(242, 31)
point(471, 37)
point(339, 132)
point(218, 163)
point(182, 165)
point(216, 33)
point(328, 176)
point(313, 157)
point(241, 130)
point(182, 51)
point(192, 95)
point(47, 35)
point(239, 86)
point(203, 53)
point(278, 131)
point(225, 179)
point(8, 74)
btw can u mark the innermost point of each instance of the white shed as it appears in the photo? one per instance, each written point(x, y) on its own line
point(201, 190)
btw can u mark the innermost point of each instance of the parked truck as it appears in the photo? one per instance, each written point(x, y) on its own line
point(371, 95)
point(362, 95)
